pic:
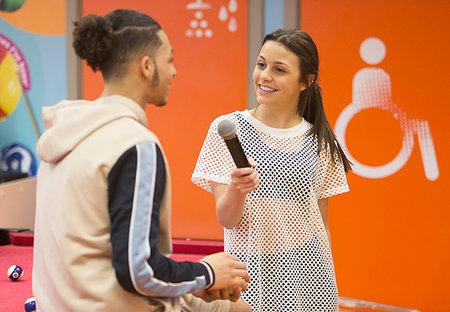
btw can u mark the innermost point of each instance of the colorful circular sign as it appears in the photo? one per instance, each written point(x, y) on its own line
point(11, 5)
point(14, 75)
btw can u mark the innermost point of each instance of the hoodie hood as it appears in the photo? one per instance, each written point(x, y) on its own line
point(69, 122)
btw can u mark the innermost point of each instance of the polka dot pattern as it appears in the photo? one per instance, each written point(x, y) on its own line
point(281, 236)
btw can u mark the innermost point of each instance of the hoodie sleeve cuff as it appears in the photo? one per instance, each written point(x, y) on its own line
point(210, 277)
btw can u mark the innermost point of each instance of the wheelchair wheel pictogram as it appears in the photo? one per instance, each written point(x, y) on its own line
point(371, 88)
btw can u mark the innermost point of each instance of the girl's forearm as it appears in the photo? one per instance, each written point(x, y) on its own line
point(230, 207)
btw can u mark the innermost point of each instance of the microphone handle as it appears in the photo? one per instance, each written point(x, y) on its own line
point(235, 148)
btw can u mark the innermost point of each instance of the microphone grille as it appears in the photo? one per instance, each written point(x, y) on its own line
point(226, 129)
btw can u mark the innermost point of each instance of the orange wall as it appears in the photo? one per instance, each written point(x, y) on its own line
point(390, 235)
point(211, 80)
point(30, 16)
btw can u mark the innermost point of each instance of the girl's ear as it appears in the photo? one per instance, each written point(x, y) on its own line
point(310, 79)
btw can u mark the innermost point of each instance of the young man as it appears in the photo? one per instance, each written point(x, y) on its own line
point(102, 234)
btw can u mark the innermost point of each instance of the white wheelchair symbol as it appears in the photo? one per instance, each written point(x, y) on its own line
point(372, 89)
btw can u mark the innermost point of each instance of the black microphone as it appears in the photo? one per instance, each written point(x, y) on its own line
point(227, 130)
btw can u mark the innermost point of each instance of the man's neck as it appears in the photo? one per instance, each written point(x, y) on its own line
point(122, 89)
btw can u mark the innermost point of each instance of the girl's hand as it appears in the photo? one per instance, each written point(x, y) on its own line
point(245, 180)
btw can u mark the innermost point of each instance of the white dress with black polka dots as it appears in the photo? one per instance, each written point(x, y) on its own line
point(281, 235)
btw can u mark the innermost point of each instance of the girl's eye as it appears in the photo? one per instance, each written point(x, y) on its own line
point(279, 69)
point(260, 64)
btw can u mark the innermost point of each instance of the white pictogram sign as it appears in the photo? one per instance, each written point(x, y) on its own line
point(371, 88)
point(199, 27)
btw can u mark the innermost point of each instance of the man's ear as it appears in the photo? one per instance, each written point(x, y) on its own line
point(146, 66)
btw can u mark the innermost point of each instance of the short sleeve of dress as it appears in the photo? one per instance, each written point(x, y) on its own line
point(214, 162)
point(331, 178)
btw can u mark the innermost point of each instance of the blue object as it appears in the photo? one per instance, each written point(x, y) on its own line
point(273, 15)
point(30, 305)
point(15, 273)
point(18, 158)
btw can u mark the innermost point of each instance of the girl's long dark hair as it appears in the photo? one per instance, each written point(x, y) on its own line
point(310, 104)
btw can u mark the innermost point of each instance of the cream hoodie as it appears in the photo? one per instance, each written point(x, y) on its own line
point(82, 142)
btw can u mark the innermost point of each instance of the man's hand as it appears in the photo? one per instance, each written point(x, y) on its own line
point(222, 294)
point(226, 268)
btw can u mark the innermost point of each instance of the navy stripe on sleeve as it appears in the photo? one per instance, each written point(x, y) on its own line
point(136, 188)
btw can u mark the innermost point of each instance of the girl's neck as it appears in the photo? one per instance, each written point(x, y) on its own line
point(280, 119)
